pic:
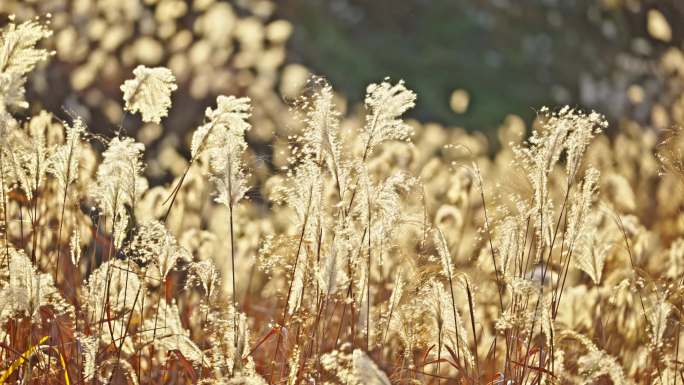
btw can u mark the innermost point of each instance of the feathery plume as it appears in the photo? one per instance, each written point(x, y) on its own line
point(63, 163)
point(27, 153)
point(444, 255)
point(386, 103)
point(27, 290)
point(365, 370)
point(170, 333)
point(149, 92)
point(582, 232)
point(153, 243)
point(230, 114)
point(657, 316)
point(24, 284)
point(320, 139)
point(596, 362)
point(18, 56)
point(119, 183)
point(448, 320)
point(204, 272)
point(297, 284)
point(354, 369)
point(115, 278)
point(18, 52)
point(12, 90)
point(89, 346)
point(228, 170)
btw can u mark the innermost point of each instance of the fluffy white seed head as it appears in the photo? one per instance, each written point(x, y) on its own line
point(149, 92)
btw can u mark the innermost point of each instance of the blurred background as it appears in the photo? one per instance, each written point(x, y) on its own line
point(473, 63)
point(508, 56)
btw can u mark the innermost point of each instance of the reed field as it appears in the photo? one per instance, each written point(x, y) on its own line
point(206, 212)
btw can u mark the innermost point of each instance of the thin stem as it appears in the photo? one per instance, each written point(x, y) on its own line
point(59, 234)
point(232, 271)
point(4, 208)
point(294, 271)
point(472, 324)
point(368, 275)
point(489, 237)
point(391, 310)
